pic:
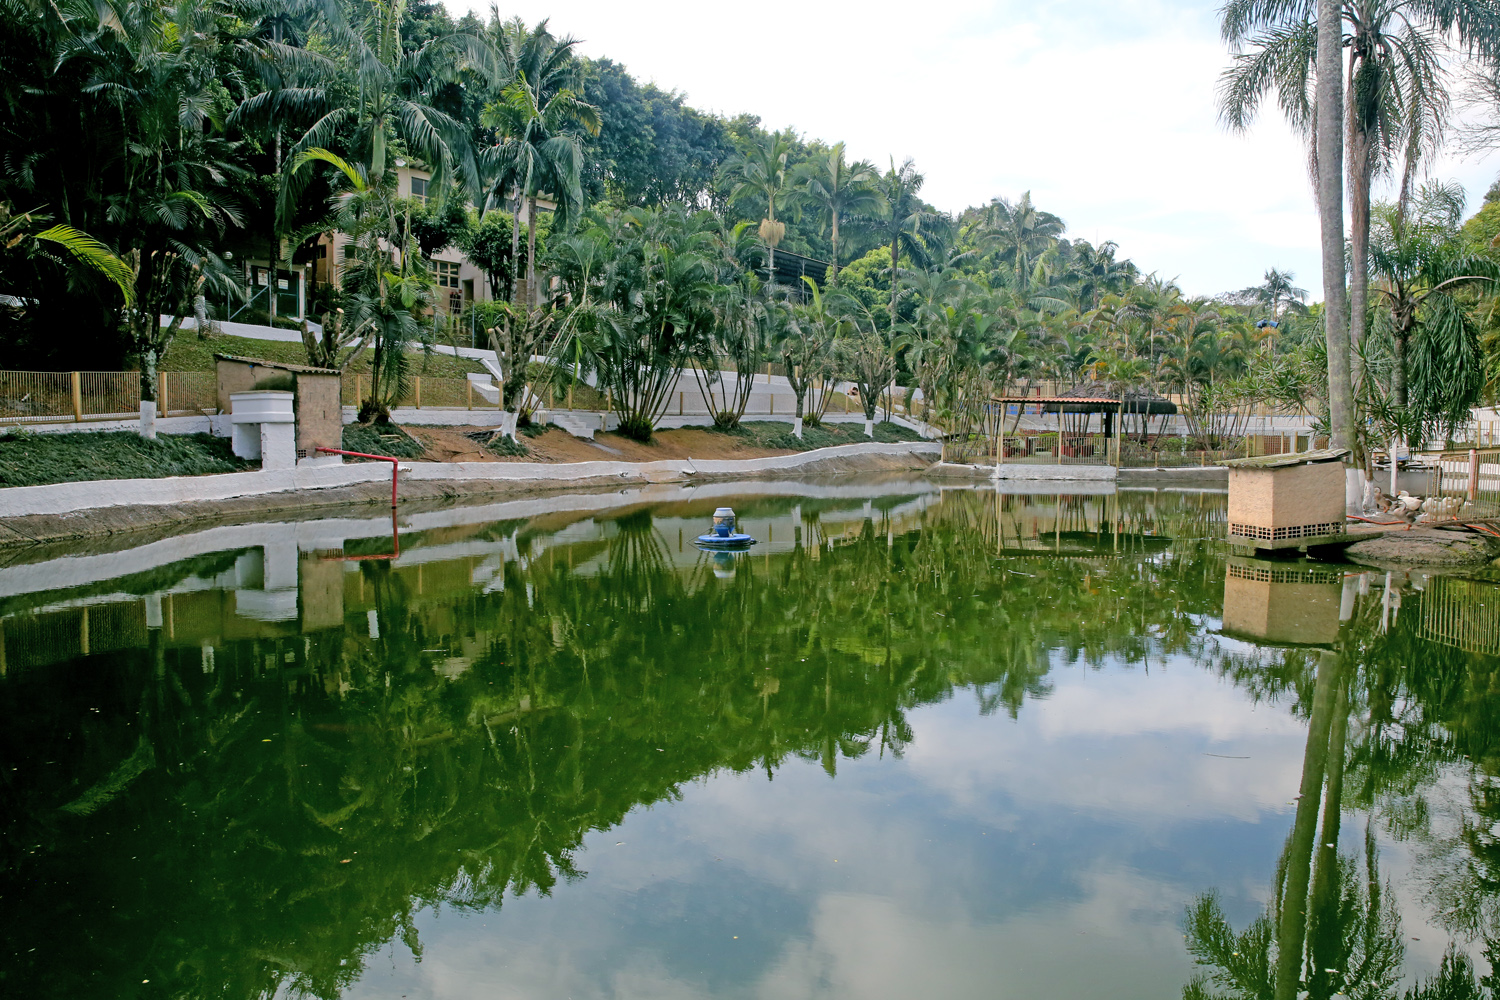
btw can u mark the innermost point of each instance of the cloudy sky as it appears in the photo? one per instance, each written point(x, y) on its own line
point(1103, 109)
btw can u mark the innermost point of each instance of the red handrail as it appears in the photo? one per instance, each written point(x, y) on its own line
point(395, 465)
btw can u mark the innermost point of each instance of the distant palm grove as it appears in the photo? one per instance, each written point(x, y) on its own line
point(151, 153)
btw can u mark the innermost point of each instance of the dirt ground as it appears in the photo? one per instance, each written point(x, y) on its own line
point(451, 444)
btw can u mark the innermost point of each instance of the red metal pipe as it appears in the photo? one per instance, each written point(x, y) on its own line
point(395, 465)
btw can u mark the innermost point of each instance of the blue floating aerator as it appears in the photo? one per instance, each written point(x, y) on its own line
point(723, 534)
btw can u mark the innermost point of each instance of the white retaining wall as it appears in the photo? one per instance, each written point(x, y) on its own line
point(65, 498)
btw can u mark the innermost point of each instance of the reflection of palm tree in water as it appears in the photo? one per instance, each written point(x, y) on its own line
point(1330, 928)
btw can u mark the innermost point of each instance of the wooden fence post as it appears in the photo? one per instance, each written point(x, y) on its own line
point(416, 391)
point(77, 385)
point(162, 385)
point(1473, 476)
point(469, 394)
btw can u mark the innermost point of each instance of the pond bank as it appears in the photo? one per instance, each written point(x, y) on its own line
point(33, 514)
point(1437, 548)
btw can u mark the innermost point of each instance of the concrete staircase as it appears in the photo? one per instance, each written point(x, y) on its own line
point(579, 424)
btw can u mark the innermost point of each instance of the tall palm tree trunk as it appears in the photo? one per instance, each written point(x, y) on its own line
point(895, 242)
point(531, 296)
point(1330, 159)
point(1361, 173)
point(833, 270)
point(515, 250)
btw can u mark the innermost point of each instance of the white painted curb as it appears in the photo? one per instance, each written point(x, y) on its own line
point(66, 498)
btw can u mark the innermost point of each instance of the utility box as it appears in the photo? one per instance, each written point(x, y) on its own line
point(1281, 604)
point(318, 409)
point(1287, 501)
point(261, 422)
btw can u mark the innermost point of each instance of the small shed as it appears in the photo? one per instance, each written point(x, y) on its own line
point(1287, 501)
point(316, 393)
point(1281, 604)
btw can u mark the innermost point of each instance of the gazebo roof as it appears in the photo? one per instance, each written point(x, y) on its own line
point(1098, 397)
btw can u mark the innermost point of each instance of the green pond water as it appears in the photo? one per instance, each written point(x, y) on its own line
point(917, 743)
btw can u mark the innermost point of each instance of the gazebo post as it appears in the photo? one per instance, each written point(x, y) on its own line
point(1119, 419)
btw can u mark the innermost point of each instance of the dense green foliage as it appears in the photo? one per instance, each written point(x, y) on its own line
point(215, 133)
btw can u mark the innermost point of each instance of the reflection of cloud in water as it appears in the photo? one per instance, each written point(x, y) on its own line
point(999, 859)
point(1120, 941)
point(1113, 741)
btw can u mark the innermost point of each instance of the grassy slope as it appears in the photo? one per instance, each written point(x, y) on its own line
point(190, 354)
point(37, 459)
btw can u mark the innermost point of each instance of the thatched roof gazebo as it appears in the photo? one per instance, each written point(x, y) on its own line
point(1105, 398)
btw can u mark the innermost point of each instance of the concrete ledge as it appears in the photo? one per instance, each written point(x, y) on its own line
point(1085, 473)
point(1192, 475)
point(69, 498)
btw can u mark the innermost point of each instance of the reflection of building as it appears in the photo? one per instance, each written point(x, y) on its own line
point(1280, 603)
point(1462, 613)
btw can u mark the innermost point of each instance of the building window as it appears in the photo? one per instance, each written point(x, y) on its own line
point(419, 188)
point(447, 273)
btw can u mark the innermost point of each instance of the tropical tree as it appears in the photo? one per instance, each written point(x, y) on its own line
point(23, 238)
point(803, 337)
point(1397, 109)
point(1425, 277)
point(394, 88)
point(1022, 233)
point(898, 220)
point(838, 191)
point(537, 122)
point(645, 310)
point(760, 174)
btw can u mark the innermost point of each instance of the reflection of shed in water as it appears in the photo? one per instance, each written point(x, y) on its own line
point(1280, 603)
point(1462, 613)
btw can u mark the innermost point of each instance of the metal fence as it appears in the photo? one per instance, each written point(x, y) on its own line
point(1462, 613)
point(1470, 483)
point(54, 397)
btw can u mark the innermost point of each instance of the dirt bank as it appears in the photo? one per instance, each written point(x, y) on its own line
point(453, 444)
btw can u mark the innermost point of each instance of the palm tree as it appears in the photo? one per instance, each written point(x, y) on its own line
point(536, 122)
point(1275, 289)
point(1397, 104)
point(899, 219)
point(23, 236)
point(760, 174)
point(643, 307)
point(1422, 270)
point(394, 88)
point(1022, 233)
point(838, 190)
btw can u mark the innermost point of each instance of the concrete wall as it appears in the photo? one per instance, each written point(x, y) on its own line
point(64, 498)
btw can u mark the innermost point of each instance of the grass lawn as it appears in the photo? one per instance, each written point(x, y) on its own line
point(38, 459)
point(776, 434)
point(190, 354)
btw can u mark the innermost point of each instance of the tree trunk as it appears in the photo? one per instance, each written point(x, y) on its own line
point(1291, 931)
point(1361, 169)
point(895, 242)
point(833, 269)
point(1402, 340)
point(531, 296)
point(1323, 930)
point(1330, 153)
point(515, 250)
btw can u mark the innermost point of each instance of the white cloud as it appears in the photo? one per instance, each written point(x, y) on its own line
point(1104, 109)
